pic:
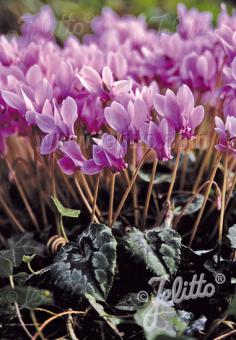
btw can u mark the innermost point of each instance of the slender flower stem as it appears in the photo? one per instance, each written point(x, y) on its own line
point(36, 324)
point(11, 215)
point(184, 169)
point(18, 310)
point(204, 163)
point(195, 194)
point(197, 221)
point(84, 199)
point(111, 198)
point(54, 317)
point(230, 192)
point(174, 174)
point(134, 189)
point(129, 187)
point(221, 225)
point(149, 192)
point(23, 196)
point(89, 193)
point(95, 197)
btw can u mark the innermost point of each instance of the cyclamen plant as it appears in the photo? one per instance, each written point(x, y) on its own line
point(90, 117)
point(112, 95)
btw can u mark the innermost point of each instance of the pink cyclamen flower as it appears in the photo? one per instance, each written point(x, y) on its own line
point(108, 153)
point(192, 22)
point(72, 159)
point(179, 110)
point(58, 127)
point(41, 25)
point(159, 137)
point(227, 133)
point(127, 120)
point(104, 86)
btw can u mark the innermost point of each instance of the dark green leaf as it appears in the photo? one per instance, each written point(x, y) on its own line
point(181, 199)
point(20, 245)
point(87, 266)
point(158, 248)
point(6, 268)
point(159, 178)
point(26, 297)
point(65, 211)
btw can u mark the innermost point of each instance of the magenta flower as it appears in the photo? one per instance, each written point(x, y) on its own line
point(72, 159)
point(108, 153)
point(179, 110)
point(227, 134)
point(41, 25)
point(31, 96)
point(193, 22)
point(58, 127)
point(199, 71)
point(91, 112)
point(127, 120)
point(159, 137)
point(104, 86)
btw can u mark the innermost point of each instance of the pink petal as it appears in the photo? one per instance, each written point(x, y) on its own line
point(107, 76)
point(45, 123)
point(90, 167)
point(14, 101)
point(117, 117)
point(90, 79)
point(69, 112)
point(49, 144)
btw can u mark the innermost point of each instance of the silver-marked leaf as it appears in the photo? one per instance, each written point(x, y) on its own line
point(65, 211)
point(158, 317)
point(232, 236)
point(181, 199)
point(87, 266)
point(159, 178)
point(158, 248)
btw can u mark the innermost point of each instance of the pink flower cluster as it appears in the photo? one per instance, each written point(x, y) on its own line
point(124, 84)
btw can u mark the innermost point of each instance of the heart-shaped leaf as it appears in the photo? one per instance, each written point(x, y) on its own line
point(158, 248)
point(87, 266)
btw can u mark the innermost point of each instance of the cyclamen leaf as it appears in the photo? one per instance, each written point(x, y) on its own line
point(159, 178)
point(158, 248)
point(87, 266)
point(65, 211)
point(26, 297)
point(6, 268)
point(158, 318)
point(181, 200)
point(232, 236)
point(21, 245)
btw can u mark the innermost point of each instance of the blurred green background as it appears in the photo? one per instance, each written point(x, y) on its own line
point(75, 16)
